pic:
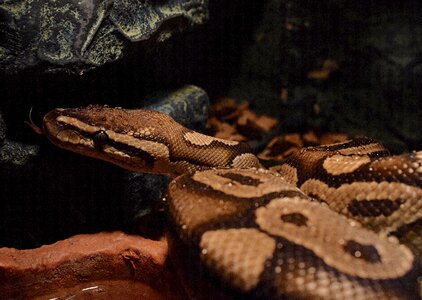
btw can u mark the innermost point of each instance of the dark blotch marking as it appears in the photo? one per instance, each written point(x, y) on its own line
point(147, 158)
point(245, 180)
point(374, 208)
point(366, 252)
point(414, 228)
point(296, 218)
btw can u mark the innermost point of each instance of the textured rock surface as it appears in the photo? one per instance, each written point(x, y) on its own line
point(16, 153)
point(187, 105)
point(78, 35)
point(99, 265)
point(11, 152)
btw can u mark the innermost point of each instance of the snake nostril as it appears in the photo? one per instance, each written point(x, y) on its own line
point(100, 138)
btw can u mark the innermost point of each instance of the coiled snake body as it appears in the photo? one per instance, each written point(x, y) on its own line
point(321, 224)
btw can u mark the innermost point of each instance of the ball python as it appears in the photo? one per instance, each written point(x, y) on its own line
point(319, 225)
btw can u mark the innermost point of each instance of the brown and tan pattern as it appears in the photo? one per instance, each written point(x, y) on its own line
point(383, 206)
point(317, 252)
point(341, 164)
point(149, 138)
point(339, 242)
point(289, 173)
point(255, 230)
point(244, 183)
point(239, 255)
point(199, 139)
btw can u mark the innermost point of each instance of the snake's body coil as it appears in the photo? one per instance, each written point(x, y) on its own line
point(321, 224)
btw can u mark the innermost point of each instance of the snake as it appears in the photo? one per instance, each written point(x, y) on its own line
point(328, 222)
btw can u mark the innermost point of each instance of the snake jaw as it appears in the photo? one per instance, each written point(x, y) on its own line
point(51, 127)
point(62, 135)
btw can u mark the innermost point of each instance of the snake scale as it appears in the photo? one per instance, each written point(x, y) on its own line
point(322, 224)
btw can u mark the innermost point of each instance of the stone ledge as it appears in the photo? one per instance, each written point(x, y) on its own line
point(102, 264)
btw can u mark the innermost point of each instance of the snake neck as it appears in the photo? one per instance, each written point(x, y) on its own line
point(142, 140)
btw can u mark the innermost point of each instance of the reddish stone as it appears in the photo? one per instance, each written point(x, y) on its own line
point(95, 266)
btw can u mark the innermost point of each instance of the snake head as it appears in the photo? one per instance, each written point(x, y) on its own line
point(123, 137)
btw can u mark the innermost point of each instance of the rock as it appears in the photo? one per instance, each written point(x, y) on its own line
point(17, 153)
point(187, 105)
point(104, 263)
point(11, 152)
point(79, 35)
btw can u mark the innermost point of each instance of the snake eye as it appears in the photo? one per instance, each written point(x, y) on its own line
point(100, 138)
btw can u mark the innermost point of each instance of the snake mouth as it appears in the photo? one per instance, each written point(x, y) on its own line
point(51, 127)
point(65, 135)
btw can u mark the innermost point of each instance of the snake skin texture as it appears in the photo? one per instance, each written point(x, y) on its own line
point(341, 221)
